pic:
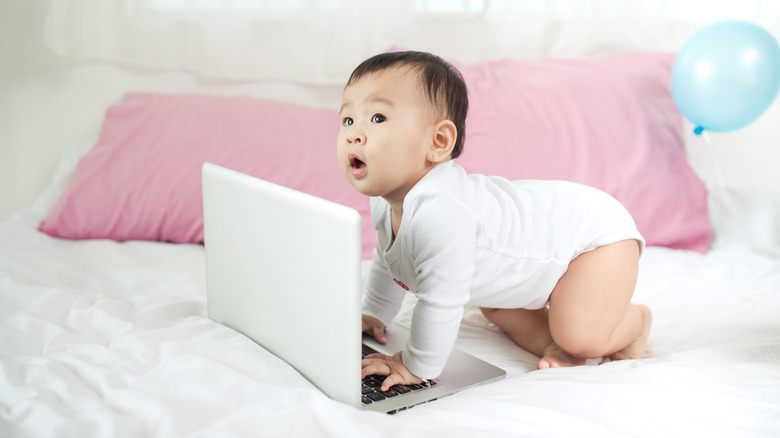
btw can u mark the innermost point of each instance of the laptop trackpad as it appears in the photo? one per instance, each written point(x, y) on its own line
point(396, 339)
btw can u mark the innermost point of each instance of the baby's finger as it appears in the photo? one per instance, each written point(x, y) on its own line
point(379, 334)
point(375, 369)
point(391, 380)
point(376, 356)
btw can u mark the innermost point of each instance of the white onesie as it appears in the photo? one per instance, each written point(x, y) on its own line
point(480, 241)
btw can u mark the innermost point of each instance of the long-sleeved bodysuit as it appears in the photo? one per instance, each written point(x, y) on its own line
point(480, 241)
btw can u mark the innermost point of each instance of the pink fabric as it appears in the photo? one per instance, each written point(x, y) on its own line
point(142, 179)
point(610, 123)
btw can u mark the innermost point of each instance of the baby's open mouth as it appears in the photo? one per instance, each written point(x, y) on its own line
point(357, 166)
point(356, 163)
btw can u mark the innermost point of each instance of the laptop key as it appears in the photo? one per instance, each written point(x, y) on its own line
point(366, 400)
point(376, 396)
point(401, 389)
point(373, 381)
point(389, 393)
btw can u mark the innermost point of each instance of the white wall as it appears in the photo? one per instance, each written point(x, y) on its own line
point(48, 103)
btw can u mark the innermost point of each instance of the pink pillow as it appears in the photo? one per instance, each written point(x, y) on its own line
point(142, 178)
point(608, 123)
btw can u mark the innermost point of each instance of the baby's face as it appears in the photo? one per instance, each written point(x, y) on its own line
point(387, 130)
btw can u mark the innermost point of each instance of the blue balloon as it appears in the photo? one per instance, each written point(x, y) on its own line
point(726, 75)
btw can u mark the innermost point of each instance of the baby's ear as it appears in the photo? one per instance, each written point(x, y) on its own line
point(445, 134)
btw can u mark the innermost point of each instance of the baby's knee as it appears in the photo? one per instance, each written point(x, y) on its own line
point(487, 311)
point(491, 313)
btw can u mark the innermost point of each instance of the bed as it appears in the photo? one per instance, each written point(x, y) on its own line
point(104, 331)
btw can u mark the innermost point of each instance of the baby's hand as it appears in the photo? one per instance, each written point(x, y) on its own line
point(375, 328)
point(390, 366)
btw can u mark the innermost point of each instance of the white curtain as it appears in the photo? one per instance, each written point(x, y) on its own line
point(594, 28)
point(321, 41)
point(311, 41)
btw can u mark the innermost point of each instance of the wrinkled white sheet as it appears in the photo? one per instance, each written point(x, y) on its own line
point(106, 339)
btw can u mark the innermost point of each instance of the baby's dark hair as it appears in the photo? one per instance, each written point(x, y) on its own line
point(442, 83)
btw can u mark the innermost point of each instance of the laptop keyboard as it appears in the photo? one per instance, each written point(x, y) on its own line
point(372, 385)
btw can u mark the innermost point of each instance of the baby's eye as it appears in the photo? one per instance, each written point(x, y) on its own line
point(347, 121)
point(378, 118)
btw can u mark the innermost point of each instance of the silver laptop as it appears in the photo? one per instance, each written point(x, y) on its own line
point(284, 269)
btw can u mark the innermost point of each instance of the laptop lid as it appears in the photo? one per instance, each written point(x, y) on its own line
point(283, 268)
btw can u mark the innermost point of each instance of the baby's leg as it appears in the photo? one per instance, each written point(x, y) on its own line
point(530, 329)
point(591, 314)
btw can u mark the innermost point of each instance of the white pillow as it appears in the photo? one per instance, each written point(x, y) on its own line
point(746, 217)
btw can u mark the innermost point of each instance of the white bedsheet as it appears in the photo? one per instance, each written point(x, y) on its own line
point(106, 339)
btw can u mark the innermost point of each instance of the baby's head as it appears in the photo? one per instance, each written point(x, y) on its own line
point(441, 84)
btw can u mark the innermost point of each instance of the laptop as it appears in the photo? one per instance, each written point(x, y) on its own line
point(284, 269)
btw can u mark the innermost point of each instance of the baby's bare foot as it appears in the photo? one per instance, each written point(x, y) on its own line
point(638, 348)
point(555, 357)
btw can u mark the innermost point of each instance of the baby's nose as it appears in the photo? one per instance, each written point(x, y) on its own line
point(356, 139)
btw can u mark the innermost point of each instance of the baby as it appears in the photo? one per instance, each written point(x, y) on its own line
point(552, 263)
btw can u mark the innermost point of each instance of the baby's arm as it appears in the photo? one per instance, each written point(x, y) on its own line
point(380, 305)
point(444, 250)
point(383, 296)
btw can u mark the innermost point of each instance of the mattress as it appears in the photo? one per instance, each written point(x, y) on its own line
point(106, 339)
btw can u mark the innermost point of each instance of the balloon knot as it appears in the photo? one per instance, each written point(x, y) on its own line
point(698, 130)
